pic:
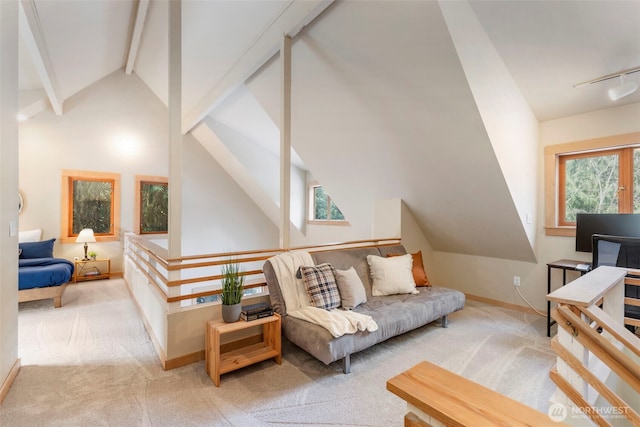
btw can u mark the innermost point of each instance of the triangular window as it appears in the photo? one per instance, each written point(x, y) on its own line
point(322, 208)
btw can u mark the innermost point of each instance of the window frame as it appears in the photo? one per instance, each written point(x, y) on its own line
point(553, 178)
point(66, 217)
point(311, 209)
point(137, 207)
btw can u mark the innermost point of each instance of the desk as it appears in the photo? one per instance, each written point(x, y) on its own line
point(564, 265)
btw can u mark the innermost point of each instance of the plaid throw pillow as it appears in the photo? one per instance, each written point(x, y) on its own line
point(320, 282)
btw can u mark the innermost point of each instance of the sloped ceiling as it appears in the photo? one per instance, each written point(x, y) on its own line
point(548, 45)
point(380, 114)
point(382, 107)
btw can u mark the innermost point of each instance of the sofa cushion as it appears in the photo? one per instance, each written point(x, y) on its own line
point(351, 289)
point(392, 275)
point(395, 314)
point(320, 282)
point(419, 274)
point(343, 259)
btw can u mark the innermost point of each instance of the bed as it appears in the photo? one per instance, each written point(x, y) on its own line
point(40, 274)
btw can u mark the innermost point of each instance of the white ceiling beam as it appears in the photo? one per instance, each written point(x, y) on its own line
point(291, 20)
point(33, 37)
point(31, 109)
point(138, 27)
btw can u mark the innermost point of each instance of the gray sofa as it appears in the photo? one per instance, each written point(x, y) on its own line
point(394, 314)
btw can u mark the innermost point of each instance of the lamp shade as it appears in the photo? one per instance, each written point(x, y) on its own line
point(86, 236)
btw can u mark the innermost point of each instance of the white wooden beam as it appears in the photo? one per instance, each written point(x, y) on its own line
point(31, 109)
point(143, 7)
point(291, 20)
point(33, 37)
point(175, 135)
point(285, 143)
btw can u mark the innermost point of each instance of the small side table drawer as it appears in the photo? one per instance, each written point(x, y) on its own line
point(217, 363)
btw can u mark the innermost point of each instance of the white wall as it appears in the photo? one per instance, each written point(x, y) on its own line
point(510, 124)
point(493, 278)
point(217, 214)
point(9, 191)
point(116, 125)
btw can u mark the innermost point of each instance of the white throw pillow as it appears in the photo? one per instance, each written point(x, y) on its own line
point(351, 289)
point(30, 236)
point(391, 275)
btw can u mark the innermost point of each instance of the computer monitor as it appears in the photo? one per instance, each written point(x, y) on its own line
point(626, 225)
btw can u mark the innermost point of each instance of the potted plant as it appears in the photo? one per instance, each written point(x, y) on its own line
point(232, 287)
point(92, 255)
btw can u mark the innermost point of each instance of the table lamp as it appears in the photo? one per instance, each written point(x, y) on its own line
point(86, 236)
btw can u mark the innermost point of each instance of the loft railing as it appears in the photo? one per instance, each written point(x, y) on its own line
point(176, 297)
point(196, 278)
point(598, 371)
point(632, 279)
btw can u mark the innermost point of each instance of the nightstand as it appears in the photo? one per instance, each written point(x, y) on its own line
point(217, 363)
point(93, 269)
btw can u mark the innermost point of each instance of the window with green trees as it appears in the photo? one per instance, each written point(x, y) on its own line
point(599, 182)
point(90, 200)
point(323, 208)
point(154, 209)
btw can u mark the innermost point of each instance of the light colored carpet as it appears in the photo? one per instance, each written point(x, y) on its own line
point(92, 363)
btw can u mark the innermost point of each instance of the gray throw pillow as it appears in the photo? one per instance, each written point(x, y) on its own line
point(351, 289)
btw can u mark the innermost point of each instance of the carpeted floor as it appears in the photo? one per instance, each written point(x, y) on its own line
point(91, 363)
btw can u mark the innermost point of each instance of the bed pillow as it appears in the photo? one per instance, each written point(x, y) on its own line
point(391, 276)
point(419, 273)
point(351, 289)
point(320, 282)
point(42, 249)
point(30, 235)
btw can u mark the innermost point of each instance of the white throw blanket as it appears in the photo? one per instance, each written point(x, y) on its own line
point(296, 299)
point(337, 322)
point(293, 291)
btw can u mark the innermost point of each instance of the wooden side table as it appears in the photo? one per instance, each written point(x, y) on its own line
point(217, 363)
point(81, 268)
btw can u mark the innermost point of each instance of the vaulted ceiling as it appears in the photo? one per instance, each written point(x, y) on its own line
point(419, 119)
point(548, 46)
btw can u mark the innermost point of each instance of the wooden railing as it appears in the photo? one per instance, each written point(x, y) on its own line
point(632, 279)
point(176, 297)
point(598, 372)
point(181, 280)
point(437, 397)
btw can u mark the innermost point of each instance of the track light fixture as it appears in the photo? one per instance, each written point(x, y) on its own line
point(624, 89)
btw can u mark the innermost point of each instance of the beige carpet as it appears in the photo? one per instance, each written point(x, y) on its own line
point(91, 363)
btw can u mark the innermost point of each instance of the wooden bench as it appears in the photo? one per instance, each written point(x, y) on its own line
point(444, 398)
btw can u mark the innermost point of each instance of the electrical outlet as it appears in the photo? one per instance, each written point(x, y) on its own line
point(516, 280)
